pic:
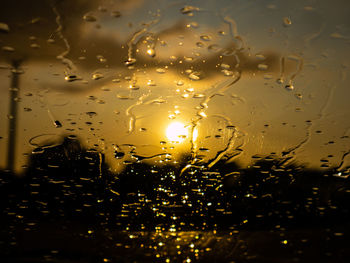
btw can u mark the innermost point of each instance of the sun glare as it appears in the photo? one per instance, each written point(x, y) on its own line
point(176, 132)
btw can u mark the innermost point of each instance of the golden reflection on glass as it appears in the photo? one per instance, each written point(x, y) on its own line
point(176, 132)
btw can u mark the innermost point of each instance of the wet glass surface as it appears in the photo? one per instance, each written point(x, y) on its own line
point(174, 131)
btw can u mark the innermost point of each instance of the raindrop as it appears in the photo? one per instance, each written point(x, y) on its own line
point(222, 33)
point(8, 49)
point(196, 75)
point(188, 9)
point(130, 62)
point(198, 96)
point(119, 155)
point(289, 87)
point(97, 76)
point(260, 56)
point(116, 80)
point(161, 70)
point(227, 72)
point(50, 41)
point(134, 87)
point(27, 109)
point(280, 80)
point(203, 149)
point(34, 45)
point(102, 9)
point(101, 58)
point(287, 21)
point(205, 37)
point(151, 82)
point(57, 124)
point(4, 28)
point(193, 24)
point(199, 44)
point(89, 18)
point(151, 52)
point(179, 83)
point(263, 67)
point(298, 96)
point(123, 97)
point(214, 48)
point(91, 113)
point(72, 137)
point(71, 78)
point(116, 14)
point(188, 59)
point(225, 66)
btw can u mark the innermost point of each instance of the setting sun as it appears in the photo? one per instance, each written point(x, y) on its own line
point(176, 132)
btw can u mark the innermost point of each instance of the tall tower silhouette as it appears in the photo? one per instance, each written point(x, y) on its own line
point(13, 116)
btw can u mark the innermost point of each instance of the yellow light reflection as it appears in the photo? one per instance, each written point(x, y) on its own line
point(176, 132)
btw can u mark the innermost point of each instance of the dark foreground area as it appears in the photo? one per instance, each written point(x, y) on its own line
point(70, 208)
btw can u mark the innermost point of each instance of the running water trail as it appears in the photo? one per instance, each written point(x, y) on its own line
point(299, 69)
point(63, 56)
point(230, 144)
point(129, 113)
point(219, 89)
point(310, 124)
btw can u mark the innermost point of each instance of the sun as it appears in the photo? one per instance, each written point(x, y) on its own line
point(176, 132)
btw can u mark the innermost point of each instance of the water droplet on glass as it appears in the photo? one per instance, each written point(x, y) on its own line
point(151, 82)
point(196, 75)
point(188, 9)
point(214, 48)
point(34, 45)
point(263, 67)
point(119, 154)
point(8, 49)
point(193, 24)
point(199, 44)
point(97, 76)
point(57, 124)
point(289, 87)
point(133, 87)
point(198, 96)
point(179, 83)
point(91, 113)
point(227, 72)
point(260, 56)
point(4, 28)
point(124, 97)
point(298, 96)
point(161, 70)
point(89, 18)
point(116, 13)
point(151, 52)
point(101, 58)
point(71, 78)
point(225, 66)
point(205, 37)
point(280, 80)
point(287, 21)
point(130, 62)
